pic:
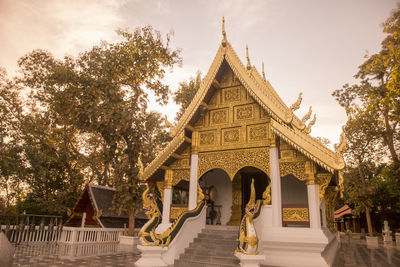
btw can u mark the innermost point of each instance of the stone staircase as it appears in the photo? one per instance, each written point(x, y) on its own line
point(213, 247)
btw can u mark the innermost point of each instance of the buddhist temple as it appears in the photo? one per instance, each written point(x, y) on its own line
point(237, 129)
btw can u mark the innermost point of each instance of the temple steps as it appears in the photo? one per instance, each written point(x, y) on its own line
point(213, 247)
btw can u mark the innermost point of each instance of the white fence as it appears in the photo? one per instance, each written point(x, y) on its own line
point(78, 235)
point(68, 235)
point(31, 234)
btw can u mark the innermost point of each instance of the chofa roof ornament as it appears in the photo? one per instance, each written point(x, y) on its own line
point(296, 105)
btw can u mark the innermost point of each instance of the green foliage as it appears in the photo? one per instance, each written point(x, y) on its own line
point(86, 120)
point(185, 93)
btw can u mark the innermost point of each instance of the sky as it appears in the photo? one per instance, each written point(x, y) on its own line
point(309, 46)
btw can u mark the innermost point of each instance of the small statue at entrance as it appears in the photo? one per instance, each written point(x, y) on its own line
point(248, 240)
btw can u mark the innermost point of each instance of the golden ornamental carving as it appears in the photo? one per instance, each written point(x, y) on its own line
point(296, 105)
point(231, 94)
point(232, 161)
point(322, 180)
point(207, 138)
point(231, 135)
point(267, 195)
point(168, 178)
point(257, 133)
point(176, 211)
point(244, 112)
point(219, 116)
point(295, 214)
point(179, 175)
point(236, 201)
point(296, 168)
point(331, 195)
point(160, 186)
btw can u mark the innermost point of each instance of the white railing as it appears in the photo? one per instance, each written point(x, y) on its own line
point(68, 235)
point(76, 235)
point(30, 234)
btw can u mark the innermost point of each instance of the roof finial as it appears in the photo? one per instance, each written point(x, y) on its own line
point(263, 73)
point(223, 31)
point(248, 59)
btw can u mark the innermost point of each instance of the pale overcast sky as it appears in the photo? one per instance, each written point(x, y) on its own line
point(312, 46)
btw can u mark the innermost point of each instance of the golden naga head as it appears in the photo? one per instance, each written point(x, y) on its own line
point(149, 205)
point(251, 205)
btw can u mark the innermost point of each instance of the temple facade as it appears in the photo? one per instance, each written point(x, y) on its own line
point(236, 129)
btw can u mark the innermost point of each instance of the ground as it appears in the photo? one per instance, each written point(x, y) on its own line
point(352, 252)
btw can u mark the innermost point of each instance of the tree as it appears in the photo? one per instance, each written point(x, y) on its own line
point(372, 129)
point(185, 93)
point(101, 99)
point(11, 163)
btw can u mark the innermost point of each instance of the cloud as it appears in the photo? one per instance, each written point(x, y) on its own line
point(59, 26)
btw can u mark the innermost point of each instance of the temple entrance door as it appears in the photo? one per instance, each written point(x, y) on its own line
point(218, 183)
point(241, 190)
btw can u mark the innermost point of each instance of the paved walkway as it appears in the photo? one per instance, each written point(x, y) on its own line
point(353, 253)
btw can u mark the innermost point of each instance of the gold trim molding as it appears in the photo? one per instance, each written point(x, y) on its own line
point(231, 161)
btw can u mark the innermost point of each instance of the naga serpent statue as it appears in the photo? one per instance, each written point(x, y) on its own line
point(248, 240)
point(152, 207)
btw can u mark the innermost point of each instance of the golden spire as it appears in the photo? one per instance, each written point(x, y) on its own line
point(223, 31)
point(263, 73)
point(248, 59)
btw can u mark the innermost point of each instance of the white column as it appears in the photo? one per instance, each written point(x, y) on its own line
point(83, 219)
point(194, 162)
point(167, 201)
point(166, 205)
point(276, 192)
point(313, 206)
point(323, 213)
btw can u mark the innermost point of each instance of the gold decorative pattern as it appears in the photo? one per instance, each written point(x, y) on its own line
point(257, 133)
point(219, 116)
point(296, 168)
point(231, 94)
point(231, 135)
point(176, 211)
point(322, 180)
point(267, 195)
point(331, 195)
point(207, 138)
point(236, 201)
point(244, 112)
point(232, 161)
point(295, 214)
point(180, 174)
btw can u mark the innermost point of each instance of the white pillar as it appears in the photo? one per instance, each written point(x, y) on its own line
point(166, 205)
point(83, 220)
point(275, 187)
point(167, 201)
point(323, 213)
point(194, 162)
point(313, 206)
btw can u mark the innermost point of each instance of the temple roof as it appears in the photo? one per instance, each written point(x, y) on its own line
point(284, 122)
